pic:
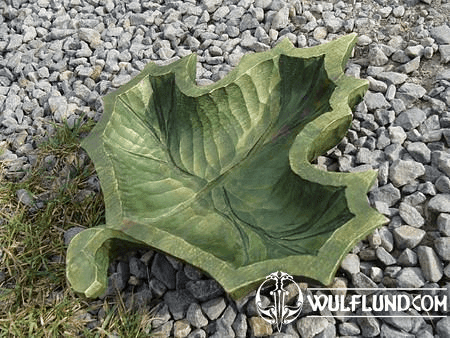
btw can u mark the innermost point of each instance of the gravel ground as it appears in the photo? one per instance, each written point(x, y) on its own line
point(58, 57)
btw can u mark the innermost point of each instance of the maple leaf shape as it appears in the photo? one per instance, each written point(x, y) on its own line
point(220, 176)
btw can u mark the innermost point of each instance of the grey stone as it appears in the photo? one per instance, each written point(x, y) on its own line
point(444, 75)
point(410, 215)
point(404, 172)
point(157, 287)
point(349, 329)
point(443, 222)
point(70, 233)
point(410, 66)
point(429, 262)
point(390, 92)
point(280, 19)
point(410, 93)
point(29, 33)
point(407, 258)
point(14, 42)
point(428, 52)
point(442, 184)
point(204, 289)
point(410, 118)
point(178, 302)
point(393, 152)
point(192, 273)
point(383, 116)
point(198, 333)
point(401, 57)
point(398, 11)
point(398, 106)
point(350, 264)
point(164, 330)
point(392, 271)
point(25, 197)
point(376, 85)
point(214, 307)
point(333, 24)
point(370, 327)
point(181, 328)
point(137, 268)
point(12, 102)
point(240, 325)
point(374, 239)
point(420, 152)
point(392, 77)
point(415, 198)
point(220, 13)
point(377, 57)
point(387, 193)
point(211, 5)
point(195, 316)
point(384, 256)
point(248, 22)
point(91, 36)
point(441, 34)
point(226, 320)
point(329, 332)
point(442, 246)
point(397, 134)
point(407, 236)
point(410, 278)
point(116, 283)
point(58, 107)
point(382, 208)
point(443, 327)
point(387, 239)
point(431, 173)
point(320, 33)
point(443, 161)
point(440, 203)
point(385, 11)
point(427, 188)
point(309, 327)
point(139, 300)
point(364, 40)
point(259, 327)
point(162, 315)
point(360, 280)
point(375, 101)
point(164, 271)
point(432, 136)
point(389, 332)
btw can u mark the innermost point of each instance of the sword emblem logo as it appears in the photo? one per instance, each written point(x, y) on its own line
point(278, 313)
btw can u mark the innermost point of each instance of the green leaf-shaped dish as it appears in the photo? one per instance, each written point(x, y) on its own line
point(220, 176)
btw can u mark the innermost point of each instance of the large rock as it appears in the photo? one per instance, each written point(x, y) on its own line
point(387, 194)
point(404, 172)
point(443, 327)
point(410, 118)
point(430, 264)
point(308, 327)
point(442, 246)
point(410, 278)
point(440, 203)
point(410, 215)
point(407, 236)
point(441, 34)
point(375, 101)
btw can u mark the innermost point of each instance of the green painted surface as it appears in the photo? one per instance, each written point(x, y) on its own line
point(220, 176)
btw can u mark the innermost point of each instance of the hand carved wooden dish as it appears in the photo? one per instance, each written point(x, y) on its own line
point(220, 176)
